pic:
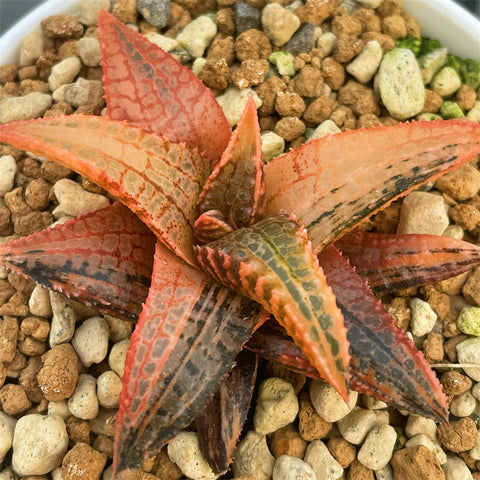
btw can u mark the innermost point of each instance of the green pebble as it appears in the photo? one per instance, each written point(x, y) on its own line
point(429, 45)
point(471, 73)
point(454, 62)
point(284, 61)
point(468, 321)
point(451, 109)
point(412, 43)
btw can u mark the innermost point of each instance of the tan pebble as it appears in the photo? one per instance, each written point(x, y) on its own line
point(289, 104)
point(346, 48)
point(267, 92)
point(62, 26)
point(31, 47)
point(471, 289)
point(279, 23)
point(16, 306)
point(224, 18)
point(289, 128)
point(308, 82)
point(59, 375)
point(310, 425)
point(35, 327)
point(416, 462)
point(314, 11)
point(466, 97)
point(250, 73)
point(319, 110)
point(13, 399)
point(459, 435)
point(29, 381)
point(433, 102)
point(164, 469)
point(82, 462)
point(78, 430)
point(462, 184)
point(104, 445)
point(287, 441)
point(297, 380)
point(455, 383)
point(252, 45)
point(431, 444)
point(466, 215)
point(6, 291)
point(31, 222)
point(8, 338)
point(37, 194)
point(433, 347)
point(357, 471)
point(343, 451)
point(8, 73)
point(215, 74)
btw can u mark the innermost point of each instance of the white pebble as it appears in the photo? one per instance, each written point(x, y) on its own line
point(32, 105)
point(84, 403)
point(253, 457)
point(277, 405)
point(31, 47)
point(8, 169)
point(64, 72)
point(385, 473)
point(417, 424)
point(370, 3)
point(322, 462)
point(197, 35)
point(400, 83)
point(168, 44)
point(74, 200)
point(355, 426)
point(233, 102)
point(365, 65)
point(326, 43)
point(89, 51)
point(39, 444)
point(272, 146)
point(90, 340)
point(475, 451)
point(456, 469)
point(62, 326)
point(116, 359)
point(279, 23)
point(423, 317)
point(468, 351)
point(474, 112)
point(60, 409)
point(435, 448)
point(328, 403)
point(184, 451)
point(463, 405)
point(39, 302)
point(89, 10)
point(325, 128)
point(7, 427)
point(109, 386)
point(423, 212)
point(377, 449)
point(59, 94)
point(476, 391)
point(292, 468)
point(431, 62)
point(372, 403)
point(446, 82)
point(118, 329)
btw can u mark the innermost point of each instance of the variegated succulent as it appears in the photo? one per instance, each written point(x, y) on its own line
point(217, 250)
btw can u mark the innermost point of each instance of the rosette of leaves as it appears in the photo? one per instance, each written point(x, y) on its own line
point(210, 243)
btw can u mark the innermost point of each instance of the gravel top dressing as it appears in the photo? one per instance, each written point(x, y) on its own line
point(313, 68)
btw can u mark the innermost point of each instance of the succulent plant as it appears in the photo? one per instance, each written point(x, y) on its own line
point(218, 251)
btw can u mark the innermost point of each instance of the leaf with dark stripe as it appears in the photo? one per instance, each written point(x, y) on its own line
point(333, 183)
point(236, 186)
point(186, 340)
point(158, 180)
point(272, 263)
point(221, 422)
point(383, 357)
point(150, 89)
point(389, 262)
point(103, 258)
point(210, 226)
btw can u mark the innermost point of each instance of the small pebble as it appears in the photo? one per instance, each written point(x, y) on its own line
point(155, 12)
point(277, 405)
point(416, 463)
point(7, 427)
point(417, 424)
point(446, 82)
point(246, 17)
point(456, 469)
point(116, 358)
point(197, 35)
point(253, 457)
point(458, 435)
point(279, 23)
point(366, 64)
point(355, 426)
point(60, 409)
point(468, 352)
point(474, 113)
point(328, 403)
point(468, 321)
point(89, 51)
point(423, 317)
point(32, 105)
point(109, 386)
point(377, 449)
point(74, 200)
point(8, 170)
point(39, 444)
point(89, 9)
point(91, 340)
point(83, 462)
point(463, 405)
point(63, 320)
point(234, 101)
point(85, 92)
point(292, 468)
point(327, 127)
point(303, 40)
point(39, 302)
point(272, 146)
point(167, 43)
point(31, 47)
point(322, 462)
point(184, 450)
point(423, 212)
point(434, 447)
point(64, 72)
point(84, 403)
point(326, 43)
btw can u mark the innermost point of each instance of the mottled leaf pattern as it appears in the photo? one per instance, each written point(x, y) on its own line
point(158, 180)
point(150, 89)
point(272, 263)
point(390, 262)
point(210, 226)
point(383, 357)
point(236, 186)
point(187, 337)
point(220, 424)
point(333, 183)
point(103, 258)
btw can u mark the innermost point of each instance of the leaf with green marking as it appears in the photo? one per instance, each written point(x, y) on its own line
point(158, 180)
point(272, 263)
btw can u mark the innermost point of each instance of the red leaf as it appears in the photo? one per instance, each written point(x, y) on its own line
point(150, 89)
point(389, 262)
point(158, 180)
point(187, 338)
point(333, 183)
point(103, 258)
